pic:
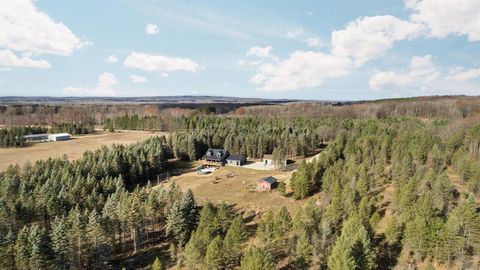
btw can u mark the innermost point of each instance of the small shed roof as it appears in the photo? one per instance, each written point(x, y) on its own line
point(236, 157)
point(269, 179)
point(59, 134)
point(267, 156)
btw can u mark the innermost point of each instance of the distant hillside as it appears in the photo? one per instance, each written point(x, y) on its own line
point(137, 100)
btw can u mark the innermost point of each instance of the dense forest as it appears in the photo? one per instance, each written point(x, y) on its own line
point(384, 192)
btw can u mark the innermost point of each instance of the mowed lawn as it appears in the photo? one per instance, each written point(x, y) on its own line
point(217, 187)
point(73, 148)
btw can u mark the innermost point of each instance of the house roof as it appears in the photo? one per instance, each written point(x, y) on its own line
point(269, 179)
point(236, 157)
point(35, 136)
point(59, 134)
point(213, 154)
point(267, 156)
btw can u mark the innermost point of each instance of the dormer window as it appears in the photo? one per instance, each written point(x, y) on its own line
point(209, 153)
point(219, 154)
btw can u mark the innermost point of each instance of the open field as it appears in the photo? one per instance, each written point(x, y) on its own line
point(234, 190)
point(73, 148)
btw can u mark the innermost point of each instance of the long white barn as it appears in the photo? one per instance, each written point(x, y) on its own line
point(47, 137)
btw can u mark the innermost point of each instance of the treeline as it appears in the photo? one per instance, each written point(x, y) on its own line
point(388, 199)
point(251, 136)
point(134, 122)
point(13, 137)
point(73, 128)
point(443, 107)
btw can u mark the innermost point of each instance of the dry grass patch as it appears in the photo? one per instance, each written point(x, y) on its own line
point(219, 187)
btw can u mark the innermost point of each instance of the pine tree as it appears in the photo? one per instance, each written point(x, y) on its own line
point(99, 250)
point(224, 215)
point(60, 244)
point(38, 238)
point(193, 254)
point(341, 257)
point(257, 258)
point(23, 249)
point(352, 248)
point(215, 255)
point(77, 234)
point(301, 182)
point(7, 251)
point(157, 264)
point(190, 211)
point(283, 224)
point(236, 236)
point(177, 225)
point(303, 252)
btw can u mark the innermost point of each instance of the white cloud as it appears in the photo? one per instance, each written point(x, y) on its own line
point(461, 75)
point(295, 33)
point(111, 59)
point(164, 75)
point(313, 42)
point(159, 63)
point(138, 79)
point(261, 52)
point(301, 70)
point(28, 30)
point(151, 29)
point(369, 37)
point(9, 59)
point(105, 87)
point(445, 17)
point(421, 72)
point(422, 75)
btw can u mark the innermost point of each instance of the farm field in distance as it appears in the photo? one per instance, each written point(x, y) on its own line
point(74, 148)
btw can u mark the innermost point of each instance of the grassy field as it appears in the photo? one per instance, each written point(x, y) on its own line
point(218, 187)
point(73, 148)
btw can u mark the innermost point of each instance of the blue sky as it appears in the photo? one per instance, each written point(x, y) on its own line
point(327, 50)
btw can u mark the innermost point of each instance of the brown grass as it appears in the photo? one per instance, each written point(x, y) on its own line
point(73, 148)
point(234, 190)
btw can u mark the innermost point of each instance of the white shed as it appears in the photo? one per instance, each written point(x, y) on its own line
point(59, 137)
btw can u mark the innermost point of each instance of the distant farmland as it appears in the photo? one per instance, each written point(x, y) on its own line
point(73, 148)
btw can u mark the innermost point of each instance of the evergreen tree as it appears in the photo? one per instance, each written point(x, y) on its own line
point(177, 226)
point(40, 255)
point(7, 251)
point(352, 249)
point(283, 224)
point(236, 236)
point(341, 257)
point(257, 258)
point(215, 255)
point(157, 264)
point(301, 181)
point(193, 254)
point(60, 244)
point(190, 211)
point(23, 249)
point(303, 252)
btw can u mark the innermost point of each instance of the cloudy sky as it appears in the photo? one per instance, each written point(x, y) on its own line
point(342, 50)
